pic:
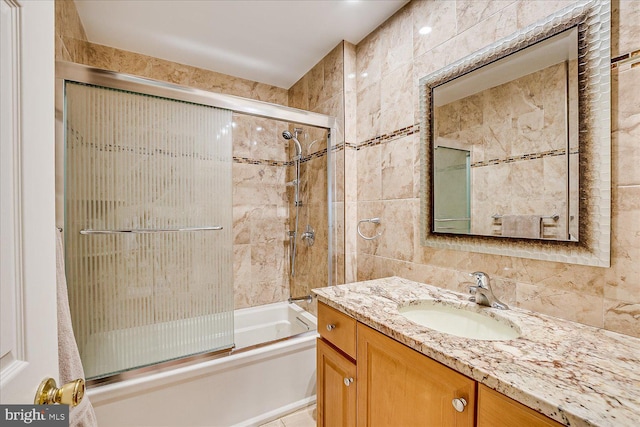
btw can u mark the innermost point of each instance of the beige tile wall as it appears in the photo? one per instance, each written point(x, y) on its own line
point(322, 90)
point(390, 61)
point(260, 212)
point(350, 175)
point(69, 31)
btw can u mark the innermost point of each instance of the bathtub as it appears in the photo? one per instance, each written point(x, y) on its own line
point(253, 385)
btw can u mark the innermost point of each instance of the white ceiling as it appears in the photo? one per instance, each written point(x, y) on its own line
point(269, 41)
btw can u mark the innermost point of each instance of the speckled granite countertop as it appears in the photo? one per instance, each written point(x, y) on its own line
point(576, 374)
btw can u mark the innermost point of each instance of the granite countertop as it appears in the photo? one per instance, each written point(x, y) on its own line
point(576, 374)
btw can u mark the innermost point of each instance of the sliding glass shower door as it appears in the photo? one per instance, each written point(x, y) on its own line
point(148, 218)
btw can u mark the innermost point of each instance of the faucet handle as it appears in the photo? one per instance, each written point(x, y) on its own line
point(482, 279)
point(477, 274)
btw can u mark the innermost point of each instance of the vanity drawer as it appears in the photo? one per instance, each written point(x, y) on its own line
point(337, 328)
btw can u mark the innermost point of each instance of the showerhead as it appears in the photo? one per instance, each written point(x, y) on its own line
point(288, 135)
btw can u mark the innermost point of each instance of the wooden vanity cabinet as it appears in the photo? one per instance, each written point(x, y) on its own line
point(497, 410)
point(397, 386)
point(368, 379)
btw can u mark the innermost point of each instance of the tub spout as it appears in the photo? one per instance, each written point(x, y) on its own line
point(306, 298)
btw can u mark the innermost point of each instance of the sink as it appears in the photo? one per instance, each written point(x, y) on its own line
point(459, 321)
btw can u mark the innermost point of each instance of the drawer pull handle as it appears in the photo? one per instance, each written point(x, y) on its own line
point(348, 381)
point(330, 327)
point(459, 403)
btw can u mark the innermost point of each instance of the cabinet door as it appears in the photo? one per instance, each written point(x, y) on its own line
point(336, 375)
point(498, 410)
point(398, 386)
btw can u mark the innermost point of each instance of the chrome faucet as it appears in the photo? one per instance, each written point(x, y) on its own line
point(482, 293)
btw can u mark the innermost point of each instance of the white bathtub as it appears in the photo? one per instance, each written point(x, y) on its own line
point(247, 388)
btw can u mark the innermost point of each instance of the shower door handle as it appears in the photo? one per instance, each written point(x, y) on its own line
point(150, 230)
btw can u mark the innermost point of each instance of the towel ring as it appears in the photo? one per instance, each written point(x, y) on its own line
point(372, 220)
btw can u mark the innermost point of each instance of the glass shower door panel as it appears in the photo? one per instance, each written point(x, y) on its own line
point(452, 210)
point(137, 169)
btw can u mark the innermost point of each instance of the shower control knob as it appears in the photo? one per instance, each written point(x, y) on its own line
point(459, 403)
point(348, 381)
point(330, 327)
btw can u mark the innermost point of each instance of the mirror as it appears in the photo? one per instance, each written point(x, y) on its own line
point(504, 145)
point(516, 143)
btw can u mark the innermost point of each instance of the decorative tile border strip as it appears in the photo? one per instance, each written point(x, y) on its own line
point(631, 58)
point(266, 162)
point(410, 130)
point(316, 155)
point(523, 157)
point(140, 151)
point(384, 138)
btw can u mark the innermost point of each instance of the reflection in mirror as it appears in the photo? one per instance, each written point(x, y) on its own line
point(532, 114)
point(505, 146)
point(451, 183)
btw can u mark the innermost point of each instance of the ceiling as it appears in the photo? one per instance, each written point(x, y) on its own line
point(268, 41)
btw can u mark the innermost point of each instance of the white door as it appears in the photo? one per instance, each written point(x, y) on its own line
point(28, 340)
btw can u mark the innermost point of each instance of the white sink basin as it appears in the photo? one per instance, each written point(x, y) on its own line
point(459, 321)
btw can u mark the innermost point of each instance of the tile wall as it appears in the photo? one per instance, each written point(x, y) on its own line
point(322, 90)
point(390, 61)
point(260, 211)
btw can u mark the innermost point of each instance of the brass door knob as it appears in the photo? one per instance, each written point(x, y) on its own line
point(69, 394)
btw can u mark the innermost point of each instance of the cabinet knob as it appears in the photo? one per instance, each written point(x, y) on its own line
point(348, 381)
point(459, 403)
point(330, 327)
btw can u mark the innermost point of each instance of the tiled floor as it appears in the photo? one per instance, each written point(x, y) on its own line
point(305, 417)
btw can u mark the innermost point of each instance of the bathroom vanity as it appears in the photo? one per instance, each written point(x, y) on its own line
point(376, 367)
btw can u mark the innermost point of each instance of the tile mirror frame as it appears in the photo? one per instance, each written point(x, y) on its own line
point(592, 18)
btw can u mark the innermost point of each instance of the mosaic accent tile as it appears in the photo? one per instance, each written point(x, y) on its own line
point(529, 156)
point(387, 137)
point(317, 155)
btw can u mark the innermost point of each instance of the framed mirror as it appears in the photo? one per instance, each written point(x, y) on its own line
point(516, 143)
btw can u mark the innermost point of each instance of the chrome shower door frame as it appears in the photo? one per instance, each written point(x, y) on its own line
point(72, 72)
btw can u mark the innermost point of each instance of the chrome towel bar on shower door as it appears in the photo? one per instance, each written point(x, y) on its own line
point(150, 230)
point(372, 220)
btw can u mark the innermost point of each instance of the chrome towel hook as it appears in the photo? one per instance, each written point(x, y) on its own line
point(372, 220)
